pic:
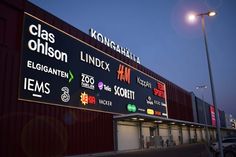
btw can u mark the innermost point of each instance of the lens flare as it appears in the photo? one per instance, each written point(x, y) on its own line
point(191, 18)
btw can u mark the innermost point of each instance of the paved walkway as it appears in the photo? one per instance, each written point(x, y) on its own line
point(191, 150)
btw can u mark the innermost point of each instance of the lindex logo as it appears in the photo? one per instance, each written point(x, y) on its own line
point(123, 73)
point(131, 108)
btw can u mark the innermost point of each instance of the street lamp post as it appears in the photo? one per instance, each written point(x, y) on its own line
point(202, 15)
point(204, 110)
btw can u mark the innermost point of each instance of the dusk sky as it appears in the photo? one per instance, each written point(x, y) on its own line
point(157, 32)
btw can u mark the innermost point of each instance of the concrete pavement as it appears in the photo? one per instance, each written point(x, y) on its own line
point(190, 150)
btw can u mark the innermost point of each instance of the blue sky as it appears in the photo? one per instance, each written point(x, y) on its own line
point(157, 32)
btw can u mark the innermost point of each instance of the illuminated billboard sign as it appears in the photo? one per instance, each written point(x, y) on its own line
point(213, 115)
point(233, 124)
point(59, 69)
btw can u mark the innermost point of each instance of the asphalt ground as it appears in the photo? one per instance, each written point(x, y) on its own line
point(190, 150)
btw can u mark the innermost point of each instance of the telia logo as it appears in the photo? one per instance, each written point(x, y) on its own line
point(100, 85)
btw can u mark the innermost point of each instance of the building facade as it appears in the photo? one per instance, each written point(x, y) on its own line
point(47, 128)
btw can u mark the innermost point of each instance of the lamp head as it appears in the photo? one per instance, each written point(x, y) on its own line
point(211, 13)
point(192, 17)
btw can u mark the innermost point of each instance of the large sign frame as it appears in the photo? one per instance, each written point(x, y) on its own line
point(60, 69)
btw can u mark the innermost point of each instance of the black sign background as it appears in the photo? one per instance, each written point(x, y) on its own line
point(72, 47)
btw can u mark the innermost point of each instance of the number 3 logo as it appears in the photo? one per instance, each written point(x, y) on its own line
point(65, 97)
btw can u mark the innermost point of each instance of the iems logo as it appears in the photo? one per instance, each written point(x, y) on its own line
point(36, 86)
point(123, 74)
point(87, 81)
point(87, 99)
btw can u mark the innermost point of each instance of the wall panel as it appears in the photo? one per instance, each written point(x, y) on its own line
point(33, 129)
